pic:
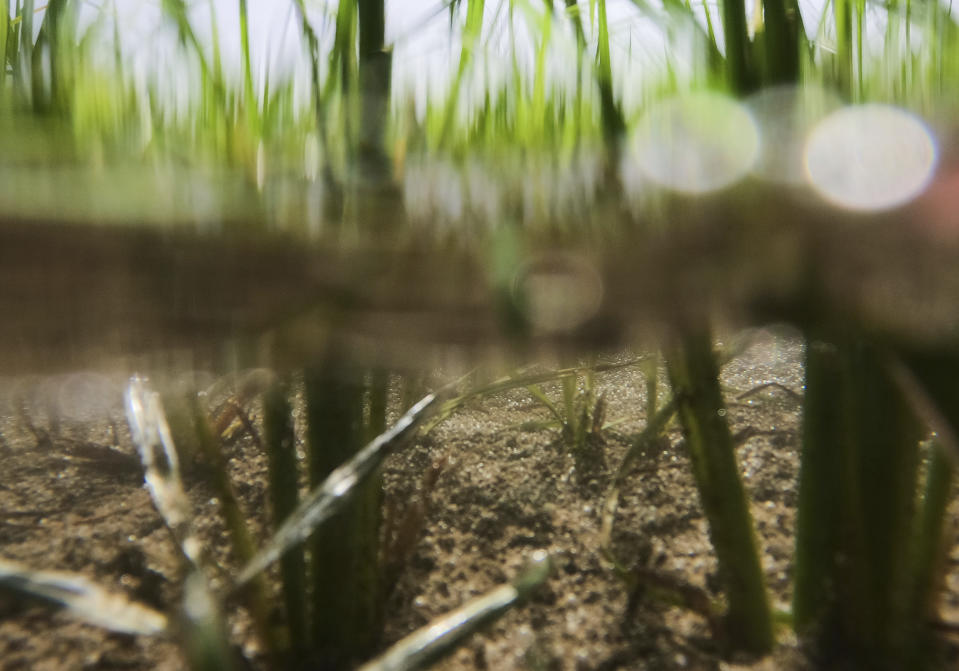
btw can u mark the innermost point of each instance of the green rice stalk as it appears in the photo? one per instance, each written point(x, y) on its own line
point(23, 67)
point(739, 68)
point(251, 105)
point(930, 553)
point(782, 33)
point(344, 551)
point(280, 443)
point(375, 70)
point(471, 35)
point(855, 573)
point(329, 498)
point(843, 68)
point(928, 382)
point(860, 9)
point(613, 124)
point(235, 523)
point(313, 49)
point(4, 34)
point(215, 50)
point(439, 638)
point(573, 12)
point(48, 87)
point(818, 528)
point(203, 628)
point(694, 375)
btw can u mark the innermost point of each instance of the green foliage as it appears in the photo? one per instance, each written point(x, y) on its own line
point(581, 418)
point(694, 376)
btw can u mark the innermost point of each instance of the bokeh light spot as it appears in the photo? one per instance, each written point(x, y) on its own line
point(560, 291)
point(696, 143)
point(870, 157)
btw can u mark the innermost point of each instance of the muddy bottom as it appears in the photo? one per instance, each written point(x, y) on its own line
point(492, 484)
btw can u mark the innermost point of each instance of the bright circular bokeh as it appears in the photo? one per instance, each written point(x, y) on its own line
point(870, 157)
point(559, 291)
point(696, 143)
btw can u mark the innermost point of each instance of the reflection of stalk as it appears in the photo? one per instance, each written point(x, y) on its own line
point(738, 47)
point(694, 375)
point(783, 32)
point(381, 204)
point(375, 65)
point(251, 106)
point(471, 35)
point(4, 31)
point(612, 117)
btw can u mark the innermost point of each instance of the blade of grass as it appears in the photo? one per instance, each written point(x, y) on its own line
point(328, 498)
point(154, 443)
point(82, 599)
point(431, 643)
point(250, 102)
point(471, 35)
point(235, 523)
point(613, 124)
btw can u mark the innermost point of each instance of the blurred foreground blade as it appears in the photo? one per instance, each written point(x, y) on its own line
point(444, 634)
point(82, 599)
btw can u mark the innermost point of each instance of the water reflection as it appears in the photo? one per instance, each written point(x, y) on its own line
point(110, 293)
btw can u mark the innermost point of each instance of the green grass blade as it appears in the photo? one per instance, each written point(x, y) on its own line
point(251, 105)
point(471, 35)
point(613, 124)
point(328, 498)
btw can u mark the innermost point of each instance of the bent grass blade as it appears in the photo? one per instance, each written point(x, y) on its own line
point(82, 599)
point(431, 643)
point(329, 497)
point(161, 466)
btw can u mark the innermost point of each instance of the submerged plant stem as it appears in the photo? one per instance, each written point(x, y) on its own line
point(694, 375)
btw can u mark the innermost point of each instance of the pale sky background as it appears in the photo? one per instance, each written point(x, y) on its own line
point(425, 48)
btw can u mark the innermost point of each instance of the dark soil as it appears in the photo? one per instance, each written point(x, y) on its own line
point(495, 482)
